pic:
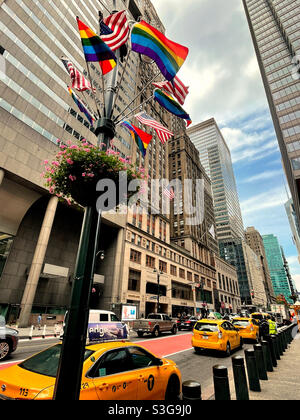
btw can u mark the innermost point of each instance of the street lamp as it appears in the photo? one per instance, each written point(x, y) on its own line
point(68, 379)
point(159, 273)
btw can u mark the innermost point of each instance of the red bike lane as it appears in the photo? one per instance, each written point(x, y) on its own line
point(168, 345)
point(161, 347)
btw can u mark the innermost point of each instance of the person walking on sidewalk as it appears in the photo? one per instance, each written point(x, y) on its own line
point(39, 320)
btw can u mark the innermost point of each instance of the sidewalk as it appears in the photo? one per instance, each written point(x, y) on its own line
point(28, 333)
point(284, 382)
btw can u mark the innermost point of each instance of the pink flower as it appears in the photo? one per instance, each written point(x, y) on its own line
point(55, 163)
point(91, 175)
point(72, 178)
point(46, 162)
point(84, 174)
point(51, 190)
point(87, 150)
point(70, 161)
point(49, 179)
point(68, 201)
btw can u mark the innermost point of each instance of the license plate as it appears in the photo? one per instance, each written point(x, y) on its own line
point(205, 337)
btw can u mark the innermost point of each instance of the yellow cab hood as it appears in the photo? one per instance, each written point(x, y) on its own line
point(19, 383)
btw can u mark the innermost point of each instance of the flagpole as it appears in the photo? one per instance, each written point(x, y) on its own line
point(121, 80)
point(132, 111)
point(122, 112)
point(93, 95)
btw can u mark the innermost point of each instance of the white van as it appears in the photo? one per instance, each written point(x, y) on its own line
point(99, 316)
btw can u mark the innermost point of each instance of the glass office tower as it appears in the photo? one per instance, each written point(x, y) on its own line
point(274, 27)
point(216, 159)
point(276, 266)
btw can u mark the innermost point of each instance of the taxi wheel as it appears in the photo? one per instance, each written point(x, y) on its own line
point(198, 350)
point(173, 389)
point(4, 349)
point(174, 330)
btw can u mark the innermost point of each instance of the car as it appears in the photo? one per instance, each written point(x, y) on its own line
point(248, 328)
point(260, 315)
point(9, 338)
point(117, 370)
point(217, 334)
point(187, 323)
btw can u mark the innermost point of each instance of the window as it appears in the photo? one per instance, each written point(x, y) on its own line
point(181, 273)
point(162, 266)
point(140, 358)
point(173, 270)
point(115, 361)
point(150, 261)
point(134, 279)
point(135, 256)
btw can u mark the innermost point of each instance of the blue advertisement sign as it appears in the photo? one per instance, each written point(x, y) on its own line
point(107, 331)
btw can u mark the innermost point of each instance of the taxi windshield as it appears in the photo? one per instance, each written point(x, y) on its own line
point(257, 316)
point(206, 326)
point(241, 323)
point(46, 362)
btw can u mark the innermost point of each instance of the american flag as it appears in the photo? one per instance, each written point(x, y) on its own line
point(79, 82)
point(119, 27)
point(175, 87)
point(163, 133)
point(169, 192)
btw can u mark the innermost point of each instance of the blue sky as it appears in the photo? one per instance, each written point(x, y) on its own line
point(222, 73)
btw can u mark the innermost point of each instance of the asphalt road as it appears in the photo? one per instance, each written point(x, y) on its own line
point(193, 366)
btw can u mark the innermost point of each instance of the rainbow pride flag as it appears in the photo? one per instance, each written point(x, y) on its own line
point(96, 50)
point(168, 55)
point(169, 103)
point(141, 138)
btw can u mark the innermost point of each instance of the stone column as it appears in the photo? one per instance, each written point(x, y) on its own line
point(37, 263)
point(1, 175)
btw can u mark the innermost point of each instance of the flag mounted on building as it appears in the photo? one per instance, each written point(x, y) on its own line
point(212, 231)
point(79, 82)
point(162, 132)
point(169, 103)
point(169, 192)
point(96, 50)
point(175, 87)
point(141, 138)
point(168, 55)
point(114, 30)
point(81, 106)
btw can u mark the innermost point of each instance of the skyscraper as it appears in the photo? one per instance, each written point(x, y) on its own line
point(254, 240)
point(274, 27)
point(276, 266)
point(216, 159)
point(294, 224)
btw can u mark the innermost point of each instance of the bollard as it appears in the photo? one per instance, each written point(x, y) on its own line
point(267, 355)
point(285, 342)
point(261, 368)
point(240, 379)
point(191, 391)
point(254, 384)
point(221, 383)
point(31, 332)
point(276, 346)
point(271, 342)
point(280, 343)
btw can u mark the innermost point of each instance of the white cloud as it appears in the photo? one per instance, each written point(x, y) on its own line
point(269, 199)
point(271, 174)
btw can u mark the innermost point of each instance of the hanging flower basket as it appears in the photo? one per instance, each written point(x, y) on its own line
point(77, 168)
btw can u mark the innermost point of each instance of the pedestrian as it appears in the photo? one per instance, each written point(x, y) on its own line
point(39, 320)
point(264, 329)
point(272, 326)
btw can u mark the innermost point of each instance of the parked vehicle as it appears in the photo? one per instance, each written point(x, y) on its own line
point(214, 315)
point(154, 324)
point(218, 335)
point(186, 323)
point(9, 338)
point(102, 318)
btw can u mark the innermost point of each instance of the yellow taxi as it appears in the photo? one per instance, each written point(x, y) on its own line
point(216, 335)
point(248, 328)
point(111, 371)
point(260, 315)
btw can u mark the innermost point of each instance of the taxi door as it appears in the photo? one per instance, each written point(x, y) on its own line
point(231, 334)
point(235, 335)
point(151, 377)
point(113, 378)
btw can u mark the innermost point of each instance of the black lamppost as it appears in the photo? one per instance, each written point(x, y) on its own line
point(159, 273)
point(68, 379)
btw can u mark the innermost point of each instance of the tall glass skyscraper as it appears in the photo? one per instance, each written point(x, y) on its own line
point(274, 27)
point(216, 159)
point(276, 266)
